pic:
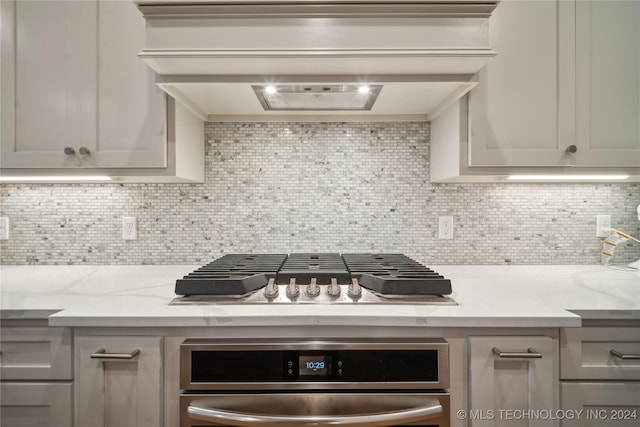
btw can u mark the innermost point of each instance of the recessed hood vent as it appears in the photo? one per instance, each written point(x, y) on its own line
point(317, 97)
point(211, 55)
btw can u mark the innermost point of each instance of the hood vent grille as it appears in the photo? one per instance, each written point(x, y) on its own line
point(317, 97)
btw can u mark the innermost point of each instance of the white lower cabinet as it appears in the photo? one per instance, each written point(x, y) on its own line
point(512, 381)
point(600, 371)
point(35, 404)
point(35, 368)
point(118, 381)
point(601, 404)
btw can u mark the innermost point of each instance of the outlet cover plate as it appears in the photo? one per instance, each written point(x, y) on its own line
point(129, 228)
point(603, 224)
point(445, 227)
point(4, 228)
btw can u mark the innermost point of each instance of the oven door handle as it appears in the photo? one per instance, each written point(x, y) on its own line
point(376, 419)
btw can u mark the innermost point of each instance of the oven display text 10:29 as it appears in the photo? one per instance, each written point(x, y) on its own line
point(314, 365)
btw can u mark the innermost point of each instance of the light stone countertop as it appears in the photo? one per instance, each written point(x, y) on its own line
point(487, 296)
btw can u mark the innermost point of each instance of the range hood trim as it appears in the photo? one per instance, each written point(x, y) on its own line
point(355, 42)
point(172, 84)
point(316, 9)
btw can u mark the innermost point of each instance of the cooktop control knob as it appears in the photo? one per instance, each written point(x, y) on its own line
point(333, 289)
point(293, 290)
point(355, 290)
point(313, 290)
point(271, 291)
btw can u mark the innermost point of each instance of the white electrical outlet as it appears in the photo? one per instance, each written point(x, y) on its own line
point(603, 225)
point(4, 228)
point(129, 228)
point(445, 227)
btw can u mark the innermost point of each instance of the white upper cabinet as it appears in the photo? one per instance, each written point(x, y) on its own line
point(564, 88)
point(131, 108)
point(48, 82)
point(74, 93)
point(608, 83)
point(520, 112)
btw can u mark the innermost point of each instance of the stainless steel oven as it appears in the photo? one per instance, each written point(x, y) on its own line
point(314, 383)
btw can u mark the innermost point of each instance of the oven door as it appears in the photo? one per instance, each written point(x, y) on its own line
point(346, 409)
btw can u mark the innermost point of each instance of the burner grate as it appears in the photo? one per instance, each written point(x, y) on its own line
point(386, 274)
point(232, 274)
point(322, 267)
point(395, 274)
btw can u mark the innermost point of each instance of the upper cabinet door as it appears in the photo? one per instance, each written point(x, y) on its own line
point(131, 108)
point(608, 83)
point(48, 82)
point(74, 92)
point(521, 111)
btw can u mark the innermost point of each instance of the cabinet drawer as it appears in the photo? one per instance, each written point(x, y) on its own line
point(36, 404)
point(35, 354)
point(587, 353)
point(600, 404)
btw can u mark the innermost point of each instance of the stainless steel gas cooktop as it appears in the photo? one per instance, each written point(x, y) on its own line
point(313, 278)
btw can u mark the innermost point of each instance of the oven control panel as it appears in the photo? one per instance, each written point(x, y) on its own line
point(211, 364)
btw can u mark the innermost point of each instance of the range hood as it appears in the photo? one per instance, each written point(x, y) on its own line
point(319, 60)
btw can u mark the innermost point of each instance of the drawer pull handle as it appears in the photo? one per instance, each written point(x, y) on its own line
point(530, 354)
point(625, 356)
point(102, 354)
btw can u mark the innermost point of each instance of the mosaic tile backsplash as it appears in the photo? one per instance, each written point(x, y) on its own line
point(326, 187)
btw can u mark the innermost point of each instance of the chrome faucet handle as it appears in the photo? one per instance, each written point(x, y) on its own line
point(271, 291)
point(333, 289)
point(293, 290)
point(313, 290)
point(355, 290)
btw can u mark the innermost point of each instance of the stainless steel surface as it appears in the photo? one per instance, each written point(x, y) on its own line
point(190, 345)
point(102, 354)
point(529, 354)
point(335, 97)
point(343, 297)
point(315, 409)
point(310, 402)
point(625, 356)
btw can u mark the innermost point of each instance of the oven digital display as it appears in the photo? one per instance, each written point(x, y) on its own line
point(314, 365)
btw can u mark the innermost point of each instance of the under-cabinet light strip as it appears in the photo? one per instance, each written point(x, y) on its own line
point(566, 177)
point(53, 178)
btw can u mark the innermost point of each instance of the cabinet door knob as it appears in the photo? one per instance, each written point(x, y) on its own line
point(84, 151)
point(572, 149)
point(102, 354)
point(530, 354)
point(69, 151)
point(623, 356)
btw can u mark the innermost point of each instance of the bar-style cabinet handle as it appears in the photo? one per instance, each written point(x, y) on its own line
point(102, 354)
point(619, 355)
point(530, 354)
